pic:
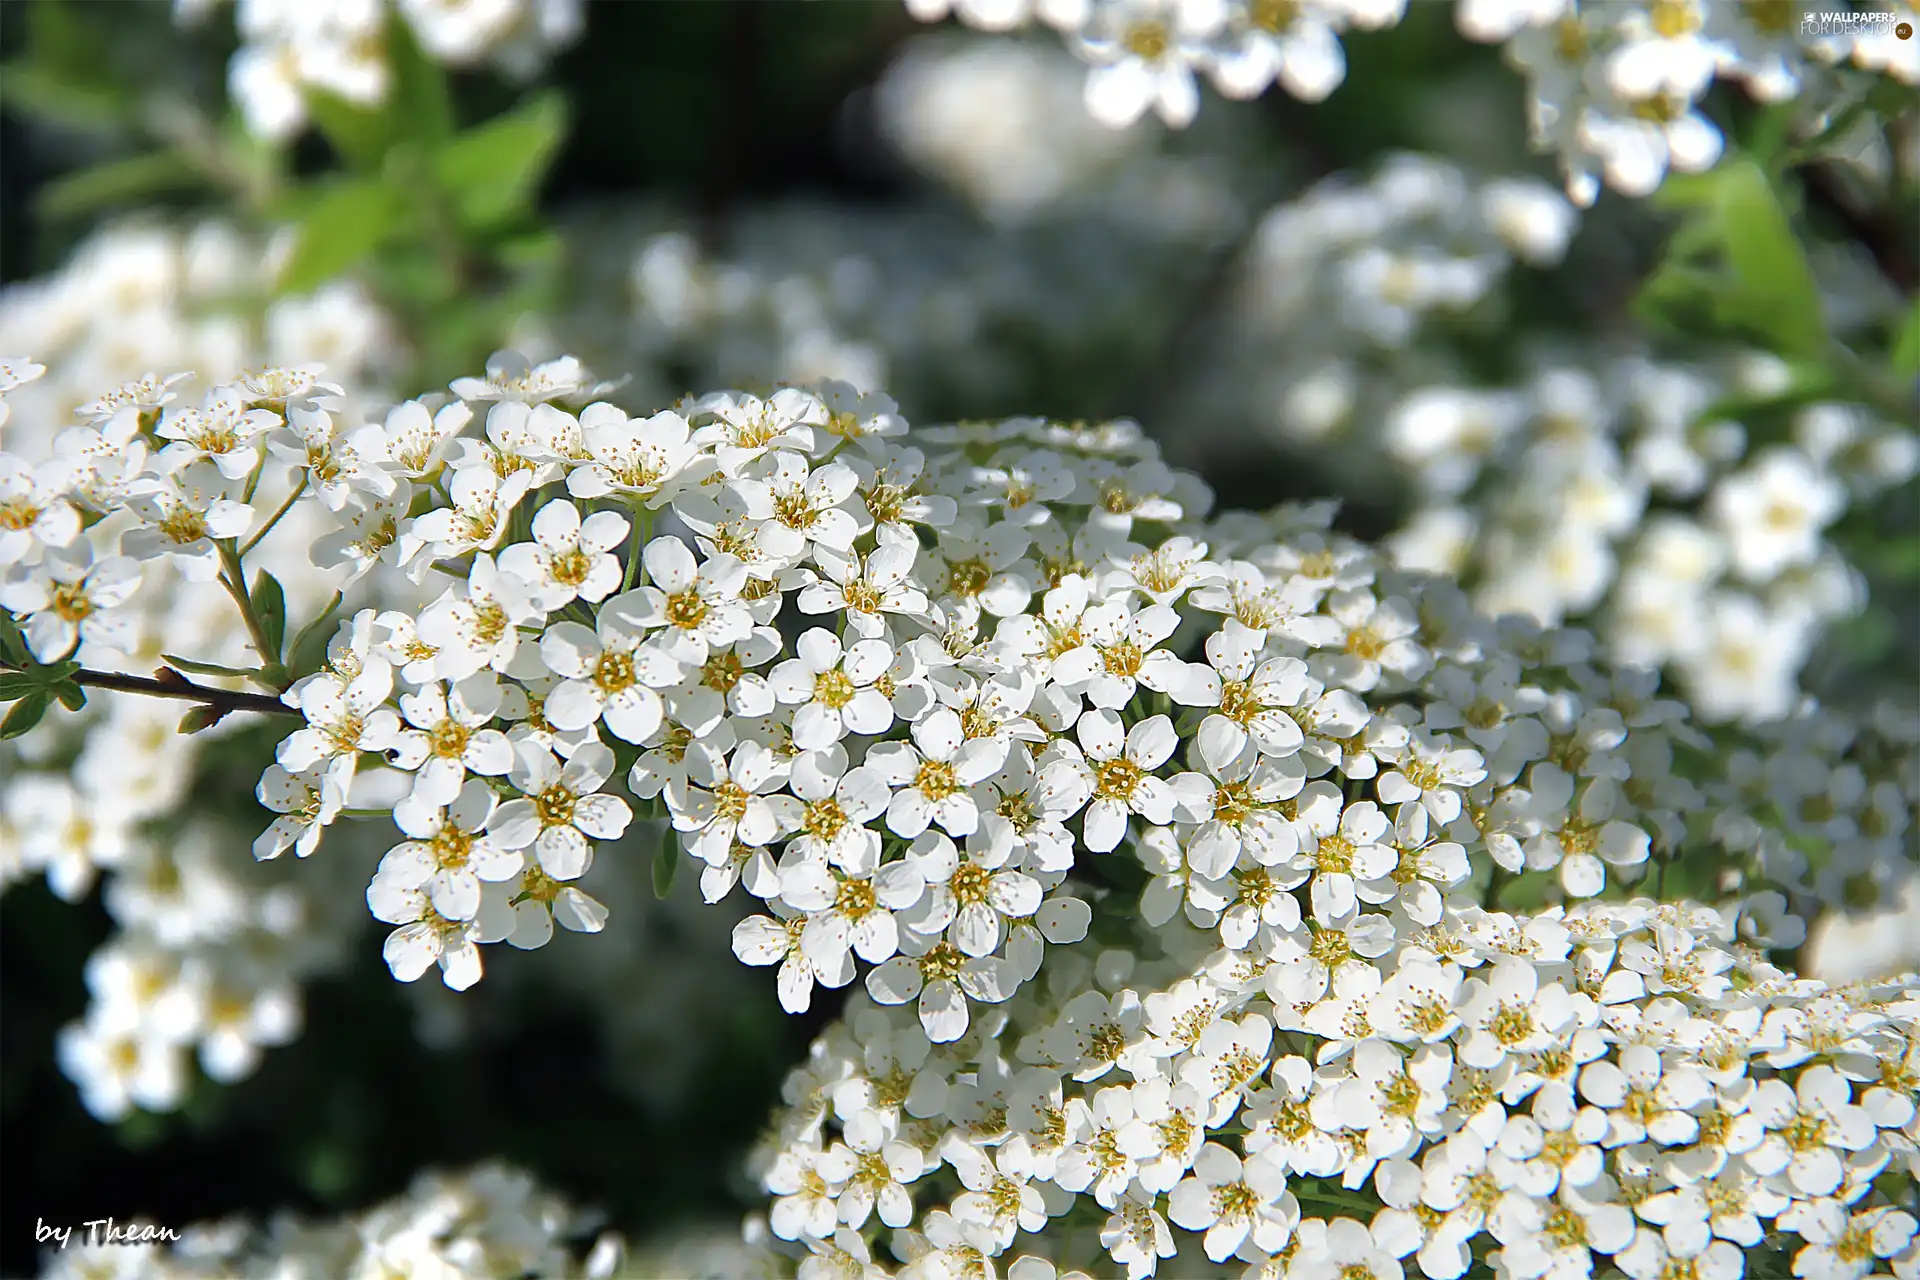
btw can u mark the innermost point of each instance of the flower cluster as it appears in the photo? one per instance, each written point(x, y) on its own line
point(339, 47)
point(1614, 88)
point(1199, 872)
point(485, 1222)
point(1683, 509)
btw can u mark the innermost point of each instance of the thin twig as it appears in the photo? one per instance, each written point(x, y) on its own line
point(169, 683)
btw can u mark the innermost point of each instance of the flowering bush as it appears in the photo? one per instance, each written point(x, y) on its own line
point(1205, 867)
point(1491, 853)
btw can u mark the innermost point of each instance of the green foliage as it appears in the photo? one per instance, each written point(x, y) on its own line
point(345, 221)
point(666, 861)
point(1734, 267)
point(270, 602)
point(32, 686)
point(491, 174)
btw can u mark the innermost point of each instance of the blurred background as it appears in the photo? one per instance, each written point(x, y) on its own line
point(1383, 298)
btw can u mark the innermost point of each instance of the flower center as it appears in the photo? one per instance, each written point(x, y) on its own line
point(825, 819)
point(968, 577)
point(970, 883)
point(935, 780)
point(686, 609)
point(68, 601)
point(722, 671)
point(1335, 855)
point(1122, 658)
point(942, 963)
point(855, 899)
point(1116, 779)
point(554, 806)
point(448, 739)
point(730, 800)
point(570, 568)
point(184, 525)
point(1148, 41)
point(614, 672)
point(833, 689)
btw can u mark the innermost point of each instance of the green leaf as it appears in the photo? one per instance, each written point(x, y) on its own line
point(345, 224)
point(358, 135)
point(35, 90)
point(207, 668)
point(127, 180)
point(71, 695)
point(493, 172)
point(1778, 296)
point(25, 714)
point(270, 602)
point(13, 646)
point(17, 684)
point(666, 861)
point(1906, 345)
point(421, 102)
point(308, 632)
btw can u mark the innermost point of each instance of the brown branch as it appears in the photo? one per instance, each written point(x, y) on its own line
point(168, 683)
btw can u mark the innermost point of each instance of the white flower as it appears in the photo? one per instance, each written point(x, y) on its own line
point(71, 599)
point(344, 719)
point(1117, 775)
point(1143, 53)
point(34, 511)
point(970, 897)
point(865, 587)
point(1344, 849)
point(638, 459)
point(796, 507)
point(375, 530)
point(1236, 1202)
point(337, 459)
point(1511, 1012)
point(1294, 44)
point(607, 675)
point(448, 855)
point(735, 799)
point(416, 436)
point(477, 625)
point(1772, 513)
point(477, 518)
point(222, 431)
point(307, 803)
point(449, 737)
point(559, 813)
point(1347, 1252)
point(851, 910)
point(935, 774)
point(185, 512)
point(1000, 1194)
point(510, 377)
point(697, 606)
point(942, 978)
point(1643, 1100)
point(833, 688)
point(521, 911)
point(837, 804)
point(425, 937)
point(764, 940)
point(1810, 1125)
point(1249, 702)
point(568, 558)
point(1659, 1253)
point(874, 1172)
point(1128, 656)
